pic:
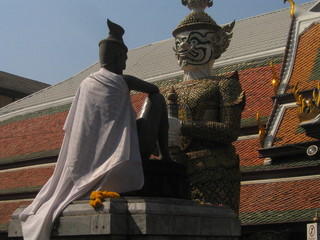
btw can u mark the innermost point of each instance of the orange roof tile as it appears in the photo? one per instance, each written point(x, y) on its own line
point(138, 100)
point(25, 178)
point(262, 199)
point(248, 152)
point(32, 135)
point(256, 82)
point(289, 131)
point(308, 54)
point(280, 196)
point(44, 133)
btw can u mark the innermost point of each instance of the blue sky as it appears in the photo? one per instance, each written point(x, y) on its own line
point(52, 40)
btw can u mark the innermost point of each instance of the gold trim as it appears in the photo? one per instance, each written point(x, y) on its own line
point(308, 108)
point(275, 79)
point(292, 3)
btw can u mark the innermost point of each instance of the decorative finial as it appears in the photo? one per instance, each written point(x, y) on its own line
point(197, 5)
point(308, 108)
point(292, 6)
point(275, 80)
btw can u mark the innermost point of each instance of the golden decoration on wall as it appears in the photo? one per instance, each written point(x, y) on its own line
point(308, 108)
point(275, 80)
point(262, 130)
point(292, 6)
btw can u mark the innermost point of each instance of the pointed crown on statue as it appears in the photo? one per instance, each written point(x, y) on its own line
point(197, 19)
point(115, 34)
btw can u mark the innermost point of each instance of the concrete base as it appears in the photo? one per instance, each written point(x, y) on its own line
point(142, 218)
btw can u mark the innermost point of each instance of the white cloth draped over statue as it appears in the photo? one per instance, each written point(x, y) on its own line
point(100, 151)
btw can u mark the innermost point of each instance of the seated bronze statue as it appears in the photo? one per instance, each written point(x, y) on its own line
point(152, 122)
point(100, 150)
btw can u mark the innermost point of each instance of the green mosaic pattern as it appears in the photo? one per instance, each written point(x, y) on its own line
point(223, 71)
point(247, 65)
point(40, 113)
point(20, 190)
point(252, 122)
point(285, 164)
point(211, 111)
point(3, 227)
point(215, 177)
point(277, 217)
point(315, 74)
point(36, 155)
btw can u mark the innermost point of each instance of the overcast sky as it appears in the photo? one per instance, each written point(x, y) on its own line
point(52, 40)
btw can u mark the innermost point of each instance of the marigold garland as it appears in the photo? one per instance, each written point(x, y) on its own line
point(97, 197)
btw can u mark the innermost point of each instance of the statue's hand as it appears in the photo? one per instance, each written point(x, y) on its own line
point(174, 131)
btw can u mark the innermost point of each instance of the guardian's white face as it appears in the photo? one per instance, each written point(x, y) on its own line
point(194, 48)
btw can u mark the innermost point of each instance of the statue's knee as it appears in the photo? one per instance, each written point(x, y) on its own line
point(157, 98)
point(141, 123)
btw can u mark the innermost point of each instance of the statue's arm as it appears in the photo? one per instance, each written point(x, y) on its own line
point(226, 130)
point(139, 85)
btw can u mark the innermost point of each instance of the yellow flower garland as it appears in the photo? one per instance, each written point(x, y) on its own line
point(97, 197)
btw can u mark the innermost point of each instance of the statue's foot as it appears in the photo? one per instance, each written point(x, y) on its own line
point(165, 158)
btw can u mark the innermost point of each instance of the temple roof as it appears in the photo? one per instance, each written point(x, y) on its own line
point(11, 82)
point(306, 67)
point(37, 131)
point(279, 200)
point(260, 36)
point(301, 66)
point(44, 123)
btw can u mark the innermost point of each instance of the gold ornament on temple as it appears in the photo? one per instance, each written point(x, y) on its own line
point(275, 80)
point(308, 108)
point(292, 3)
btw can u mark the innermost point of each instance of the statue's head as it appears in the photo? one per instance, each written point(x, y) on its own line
point(199, 41)
point(112, 50)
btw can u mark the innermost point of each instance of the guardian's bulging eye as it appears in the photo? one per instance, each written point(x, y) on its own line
point(194, 42)
point(193, 48)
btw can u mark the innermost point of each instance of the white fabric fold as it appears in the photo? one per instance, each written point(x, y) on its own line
point(100, 151)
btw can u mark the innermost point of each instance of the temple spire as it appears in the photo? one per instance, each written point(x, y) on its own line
point(292, 3)
point(197, 5)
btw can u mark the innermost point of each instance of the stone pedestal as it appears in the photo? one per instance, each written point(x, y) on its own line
point(142, 218)
point(163, 179)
